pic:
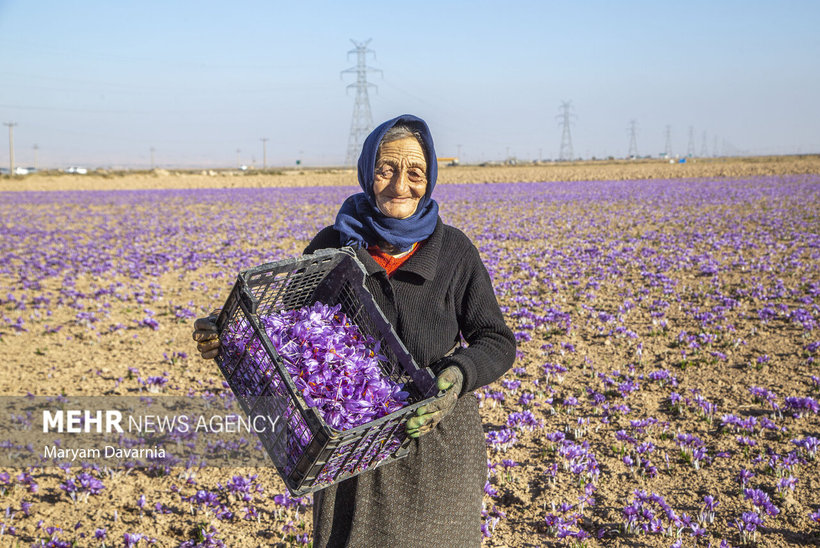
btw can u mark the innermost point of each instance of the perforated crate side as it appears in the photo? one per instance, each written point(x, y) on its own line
point(260, 382)
point(288, 284)
point(349, 453)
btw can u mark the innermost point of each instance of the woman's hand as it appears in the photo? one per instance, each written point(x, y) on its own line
point(428, 416)
point(206, 335)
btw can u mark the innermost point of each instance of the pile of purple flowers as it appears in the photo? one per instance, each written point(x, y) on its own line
point(335, 366)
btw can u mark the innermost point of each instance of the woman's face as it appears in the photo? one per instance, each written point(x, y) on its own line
point(401, 177)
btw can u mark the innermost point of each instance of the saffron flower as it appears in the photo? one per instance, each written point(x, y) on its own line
point(81, 486)
point(335, 367)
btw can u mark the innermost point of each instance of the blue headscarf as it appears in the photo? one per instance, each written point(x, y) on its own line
point(360, 221)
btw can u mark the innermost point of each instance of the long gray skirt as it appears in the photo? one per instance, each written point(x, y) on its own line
point(430, 498)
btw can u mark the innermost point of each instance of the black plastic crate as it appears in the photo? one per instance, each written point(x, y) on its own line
point(308, 453)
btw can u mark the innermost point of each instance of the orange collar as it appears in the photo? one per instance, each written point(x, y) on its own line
point(388, 262)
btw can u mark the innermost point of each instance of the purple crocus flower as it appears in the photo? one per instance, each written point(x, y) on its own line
point(801, 406)
point(809, 444)
point(761, 501)
point(81, 486)
point(131, 539)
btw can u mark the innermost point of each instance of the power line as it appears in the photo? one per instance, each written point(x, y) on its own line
point(68, 109)
point(362, 123)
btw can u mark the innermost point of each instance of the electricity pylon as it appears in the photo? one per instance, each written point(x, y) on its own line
point(667, 149)
point(362, 122)
point(633, 139)
point(566, 138)
point(690, 147)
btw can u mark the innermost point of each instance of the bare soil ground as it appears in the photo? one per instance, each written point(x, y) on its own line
point(59, 350)
point(559, 171)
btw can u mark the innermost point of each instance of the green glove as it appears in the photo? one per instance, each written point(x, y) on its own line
point(428, 416)
point(206, 335)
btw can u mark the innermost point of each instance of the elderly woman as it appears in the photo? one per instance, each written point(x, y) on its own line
point(429, 281)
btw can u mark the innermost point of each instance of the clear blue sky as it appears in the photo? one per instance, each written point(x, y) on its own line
point(100, 83)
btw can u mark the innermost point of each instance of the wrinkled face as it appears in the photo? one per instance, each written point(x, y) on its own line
point(401, 177)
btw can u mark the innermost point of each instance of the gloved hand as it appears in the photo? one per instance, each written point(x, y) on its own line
point(428, 416)
point(206, 335)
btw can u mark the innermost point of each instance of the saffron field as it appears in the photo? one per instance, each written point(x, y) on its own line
point(665, 391)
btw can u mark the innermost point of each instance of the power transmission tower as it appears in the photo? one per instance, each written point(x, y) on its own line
point(11, 145)
point(704, 149)
point(362, 122)
point(264, 152)
point(729, 149)
point(690, 147)
point(667, 149)
point(565, 118)
point(633, 139)
point(715, 147)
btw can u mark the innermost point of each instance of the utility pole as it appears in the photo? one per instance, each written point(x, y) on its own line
point(362, 122)
point(633, 139)
point(566, 138)
point(264, 152)
point(11, 145)
point(36, 148)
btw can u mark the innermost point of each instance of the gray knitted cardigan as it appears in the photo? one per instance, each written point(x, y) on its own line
point(433, 497)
